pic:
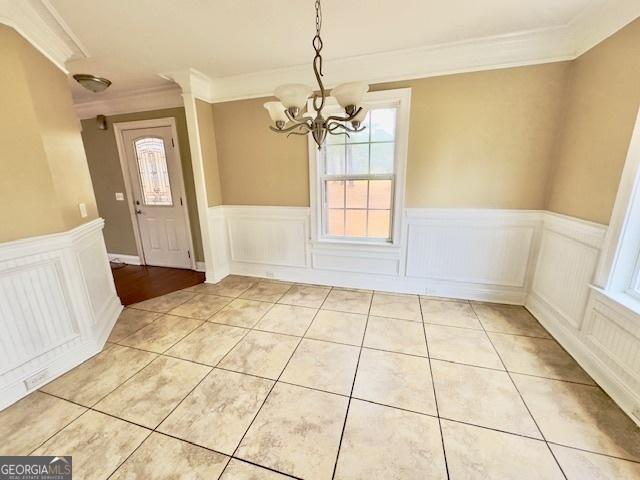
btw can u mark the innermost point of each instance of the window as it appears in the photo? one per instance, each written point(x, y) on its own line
point(154, 175)
point(357, 176)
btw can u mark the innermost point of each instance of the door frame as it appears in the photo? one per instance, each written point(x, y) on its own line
point(118, 130)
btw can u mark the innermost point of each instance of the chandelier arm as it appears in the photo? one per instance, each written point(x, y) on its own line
point(348, 118)
point(292, 127)
point(334, 125)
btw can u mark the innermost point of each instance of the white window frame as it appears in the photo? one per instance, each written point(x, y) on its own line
point(401, 99)
point(618, 273)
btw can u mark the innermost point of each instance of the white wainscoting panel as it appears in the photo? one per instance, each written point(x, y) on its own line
point(57, 305)
point(601, 334)
point(479, 254)
point(268, 235)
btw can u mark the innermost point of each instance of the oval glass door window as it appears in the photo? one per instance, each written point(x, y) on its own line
point(154, 174)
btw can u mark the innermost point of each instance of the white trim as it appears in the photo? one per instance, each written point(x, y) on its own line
point(126, 259)
point(200, 267)
point(156, 98)
point(401, 98)
point(619, 247)
point(118, 131)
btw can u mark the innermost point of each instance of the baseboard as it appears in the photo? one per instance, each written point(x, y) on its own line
point(552, 320)
point(122, 258)
point(201, 267)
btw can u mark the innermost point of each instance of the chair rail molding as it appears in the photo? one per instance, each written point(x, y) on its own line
point(58, 305)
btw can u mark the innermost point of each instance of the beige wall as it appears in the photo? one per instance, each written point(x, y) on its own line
point(43, 170)
point(601, 103)
point(258, 166)
point(478, 140)
point(204, 113)
point(104, 164)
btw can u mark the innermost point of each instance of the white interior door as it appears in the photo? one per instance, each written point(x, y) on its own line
point(156, 178)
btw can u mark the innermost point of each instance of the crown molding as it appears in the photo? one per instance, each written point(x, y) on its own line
point(133, 101)
point(26, 18)
point(600, 21)
point(192, 82)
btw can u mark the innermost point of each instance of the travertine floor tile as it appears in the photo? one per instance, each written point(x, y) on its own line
point(482, 397)
point(350, 301)
point(580, 465)
point(100, 375)
point(338, 327)
point(162, 333)
point(166, 302)
point(98, 444)
point(150, 395)
point(239, 470)
point(383, 443)
point(208, 343)
point(479, 453)
point(305, 296)
point(462, 345)
point(508, 319)
point(219, 411)
point(130, 321)
point(266, 291)
point(580, 416)
point(261, 353)
point(288, 319)
point(322, 365)
point(229, 287)
point(538, 356)
point(395, 379)
point(242, 313)
point(201, 306)
point(395, 335)
point(450, 313)
point(296, 432)
point(405, 307)
point(165, 458)
point(29, 422)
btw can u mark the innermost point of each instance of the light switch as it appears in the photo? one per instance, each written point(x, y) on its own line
point(120, 196)
point(83, 210)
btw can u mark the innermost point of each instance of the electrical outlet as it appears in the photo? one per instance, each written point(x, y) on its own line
point(269, 274)
point(83, 210)
point(120, 196)
point(36, 380)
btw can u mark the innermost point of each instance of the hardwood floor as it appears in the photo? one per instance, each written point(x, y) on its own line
point(137, 283)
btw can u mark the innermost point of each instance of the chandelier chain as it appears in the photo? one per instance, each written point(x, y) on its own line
point(318, 101)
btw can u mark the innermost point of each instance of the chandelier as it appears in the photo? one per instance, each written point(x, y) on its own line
point(287, 113)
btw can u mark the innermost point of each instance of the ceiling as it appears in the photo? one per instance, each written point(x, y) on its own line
point(132, 42)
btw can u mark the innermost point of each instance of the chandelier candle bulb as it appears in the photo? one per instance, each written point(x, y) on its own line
point(293, 98)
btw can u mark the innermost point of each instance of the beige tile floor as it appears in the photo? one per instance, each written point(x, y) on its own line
point(255, 379)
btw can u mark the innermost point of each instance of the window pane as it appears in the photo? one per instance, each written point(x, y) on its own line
point(335, 194)
point(335, 222)
point(356, 223)
point(383, 124)
point(357, 193)
point(335, 159)
point(336, 139)
point(362, 136)
point(380, 194)
point(358, 159)
point(154, 175)
point(379, 223)
point(382, 155)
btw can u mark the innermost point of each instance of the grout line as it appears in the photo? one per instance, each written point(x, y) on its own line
point(270, 390)
point(520, 395)
point(353, 383)
point(435, 395)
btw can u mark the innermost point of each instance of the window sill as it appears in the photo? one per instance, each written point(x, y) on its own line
point(622, 299)
point(354, 244)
